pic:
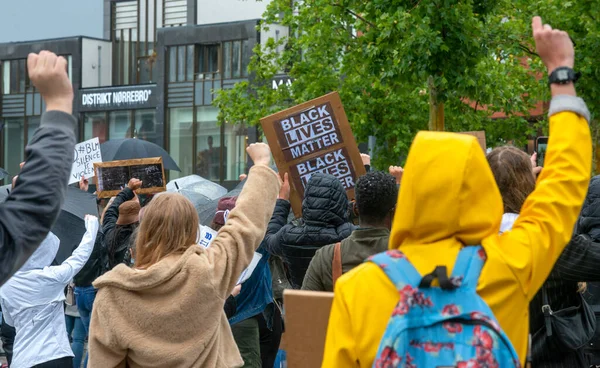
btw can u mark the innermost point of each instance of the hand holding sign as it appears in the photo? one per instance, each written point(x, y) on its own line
point(48, 73)
point(284, 192)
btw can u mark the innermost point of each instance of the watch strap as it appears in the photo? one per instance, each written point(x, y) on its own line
point(563, 75)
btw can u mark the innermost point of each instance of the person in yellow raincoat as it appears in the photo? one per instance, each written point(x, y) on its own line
point(449, 199)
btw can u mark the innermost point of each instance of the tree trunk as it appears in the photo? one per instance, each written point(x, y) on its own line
point(436, 108)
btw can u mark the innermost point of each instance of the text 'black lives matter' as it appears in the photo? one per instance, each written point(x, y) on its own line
point(307, 132)
point(336, 163)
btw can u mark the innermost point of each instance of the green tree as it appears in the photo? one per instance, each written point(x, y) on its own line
point(397, 66)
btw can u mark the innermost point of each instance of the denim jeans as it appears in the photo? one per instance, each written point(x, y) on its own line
point(76, 333)
point(84, 297)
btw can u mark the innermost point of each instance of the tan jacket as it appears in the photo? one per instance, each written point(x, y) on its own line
point(171, 315)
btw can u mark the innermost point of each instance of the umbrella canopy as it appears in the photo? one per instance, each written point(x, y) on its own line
point(3, 174)
point(206, 212)
point(4, 192)
point(70, 226)
point(132, 148)
point(197, 185)
point(198, 190)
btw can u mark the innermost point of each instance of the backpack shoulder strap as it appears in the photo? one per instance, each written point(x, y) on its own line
point(336, 263)
point(397, 267)
point(468, 266)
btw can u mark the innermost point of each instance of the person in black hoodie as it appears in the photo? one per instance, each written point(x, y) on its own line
point(324, 221)
point(32, 208)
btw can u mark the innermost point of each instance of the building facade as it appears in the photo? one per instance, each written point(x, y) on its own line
point(153, 77)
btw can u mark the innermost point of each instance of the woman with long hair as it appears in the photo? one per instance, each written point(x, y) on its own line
point(514, 174)
point(168, 308)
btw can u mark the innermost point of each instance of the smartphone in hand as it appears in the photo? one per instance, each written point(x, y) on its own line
point(541, 144)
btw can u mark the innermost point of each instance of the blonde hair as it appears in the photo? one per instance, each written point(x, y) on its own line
point(170, 226)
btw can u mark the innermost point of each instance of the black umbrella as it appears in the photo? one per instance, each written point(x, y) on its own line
point(132, 148)
point(70, 226)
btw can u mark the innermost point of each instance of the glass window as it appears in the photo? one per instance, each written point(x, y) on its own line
point(208, 143)
point(22, 74)
point(234, 151)
point(180, 63)
point(14, 144)
point(172, 64)
point(180, 140)
point(94, 125)
point(227, 59)
point(33, 123)
point(145, 126)
point(189, 74)
point(235, 64)
point(212, 56)
point(119, 124)
point(6, 77)
point(246, 54)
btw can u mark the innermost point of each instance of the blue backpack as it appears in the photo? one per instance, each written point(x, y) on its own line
point(441, 327)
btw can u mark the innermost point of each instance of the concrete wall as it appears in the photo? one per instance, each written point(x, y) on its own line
point(220, 11)
point(96, 67)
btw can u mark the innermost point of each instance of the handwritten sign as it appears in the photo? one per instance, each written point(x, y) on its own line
point(85, 156)
point(111, 177)
point(314, 137)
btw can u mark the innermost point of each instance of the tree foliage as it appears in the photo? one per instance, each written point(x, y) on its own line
point(477, 55)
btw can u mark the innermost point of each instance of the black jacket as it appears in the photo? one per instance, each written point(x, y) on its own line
point(589, 223)
point(324, 221)
point(116, 237)
point(33, 206)
point(578, 263)
point(94, 267)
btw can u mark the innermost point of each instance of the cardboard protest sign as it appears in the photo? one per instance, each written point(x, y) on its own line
point(111, 177)
point(314, 137)
point(480, 135)
point(305, 333)
point(85, 156)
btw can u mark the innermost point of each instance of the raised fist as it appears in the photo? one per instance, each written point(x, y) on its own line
point(259, 153)
point(134, 184)
point(48, 73)
point(554, 46)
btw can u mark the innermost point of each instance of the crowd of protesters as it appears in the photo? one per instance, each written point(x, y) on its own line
point(143, 293)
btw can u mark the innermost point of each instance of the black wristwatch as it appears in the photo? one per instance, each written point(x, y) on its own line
point(563, 75)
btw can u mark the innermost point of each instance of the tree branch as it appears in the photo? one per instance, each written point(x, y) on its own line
point(355, 15)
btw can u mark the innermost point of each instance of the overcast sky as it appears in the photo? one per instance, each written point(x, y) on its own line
point(26, 20)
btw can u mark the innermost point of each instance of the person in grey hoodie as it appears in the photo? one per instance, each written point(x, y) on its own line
point(32, 208)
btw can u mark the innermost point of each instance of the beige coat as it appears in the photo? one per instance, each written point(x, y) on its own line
point(171, 315)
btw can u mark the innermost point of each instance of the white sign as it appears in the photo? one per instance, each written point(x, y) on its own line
point(205, 237)
point(86, 154)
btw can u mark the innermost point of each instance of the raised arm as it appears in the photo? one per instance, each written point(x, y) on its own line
point(31, 209)
point(112, 213)
point(72, 265)
point(233, 248)
point(278, 220)
point(548, 215)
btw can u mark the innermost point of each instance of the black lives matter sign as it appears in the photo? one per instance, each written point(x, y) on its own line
point(308, 132)
point(310, 138)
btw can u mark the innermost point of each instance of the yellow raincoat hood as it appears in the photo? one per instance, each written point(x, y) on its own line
point(471, 208)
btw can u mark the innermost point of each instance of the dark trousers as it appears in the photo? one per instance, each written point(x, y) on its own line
point(246, 337)
point(7, 335)
point(66, 362)
point(270, 338)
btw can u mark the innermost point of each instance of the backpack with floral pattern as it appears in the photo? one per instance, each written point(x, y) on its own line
point(445, 326)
